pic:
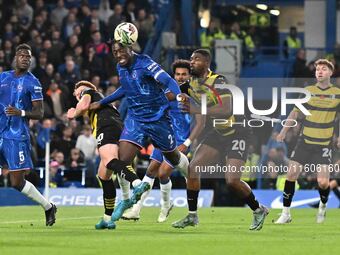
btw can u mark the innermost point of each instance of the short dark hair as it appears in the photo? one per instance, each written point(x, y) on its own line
point(205, 53)
point(180, 63)
point(23, 46)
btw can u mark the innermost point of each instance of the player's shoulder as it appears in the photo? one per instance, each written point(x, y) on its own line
point(6, 74)
point(10, 72)
point(217, 78)
point(147, 62)
point(32, 78)
point(334, 90)
point(312, 88)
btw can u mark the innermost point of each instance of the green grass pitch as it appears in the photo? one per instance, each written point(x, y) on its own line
point(221, 231)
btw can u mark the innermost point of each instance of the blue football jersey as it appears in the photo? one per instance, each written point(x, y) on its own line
point(180, 120)
point(18, 92)
point(145, 95)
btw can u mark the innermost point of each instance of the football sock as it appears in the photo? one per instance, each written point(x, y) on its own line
point(288, 193)
point(30, 191)
point(324, 193)
point(165, 193)
point(192, 197)
point(125, 187)
point(151, 181)
point(251, 201)
point(109, 195)
point(336, 192)
point(121, 168)
point(183, 165)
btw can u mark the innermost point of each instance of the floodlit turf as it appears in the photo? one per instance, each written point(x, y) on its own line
point(221, 231)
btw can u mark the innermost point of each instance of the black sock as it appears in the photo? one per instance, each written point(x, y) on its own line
point(288, 193)
point(336, 192)
point(252, 202)
point(324, 193)
point(192, 196)
point(122, 169)
point(109, 195)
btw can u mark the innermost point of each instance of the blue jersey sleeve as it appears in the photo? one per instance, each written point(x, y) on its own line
point(35, 90)
point(119, 93)
point(154, 70)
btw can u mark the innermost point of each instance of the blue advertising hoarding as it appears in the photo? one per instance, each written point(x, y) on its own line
point(94, 197)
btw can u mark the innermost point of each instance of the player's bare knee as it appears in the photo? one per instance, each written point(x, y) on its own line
point(292, 176)
point(105, 175)
point(233, 182)
point(106, 160)
point(323, 183)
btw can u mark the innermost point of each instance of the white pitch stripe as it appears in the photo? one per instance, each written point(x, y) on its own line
point(58, 219)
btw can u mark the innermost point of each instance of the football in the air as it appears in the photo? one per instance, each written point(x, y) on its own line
point(126, 33)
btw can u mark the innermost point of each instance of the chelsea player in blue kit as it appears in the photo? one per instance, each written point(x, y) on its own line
point(143, 83)
point(20, 100)
point(184, 135)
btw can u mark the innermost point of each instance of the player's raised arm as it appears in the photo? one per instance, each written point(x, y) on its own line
point(82, 106)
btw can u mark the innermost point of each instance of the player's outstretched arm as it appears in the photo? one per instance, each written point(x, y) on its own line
point(165, 79)
point(118, 94)
point(36, 113)
point(81, 108)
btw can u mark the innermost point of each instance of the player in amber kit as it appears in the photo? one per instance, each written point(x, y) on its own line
point(106, 128)
point(217, 141)
point(314, 145)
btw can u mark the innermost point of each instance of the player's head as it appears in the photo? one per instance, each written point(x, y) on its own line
point(323, 70)
point(122, 54)
point(181, 70)
point(200, 62)
point(81, 86)
point(293, 31)
point(23, 55)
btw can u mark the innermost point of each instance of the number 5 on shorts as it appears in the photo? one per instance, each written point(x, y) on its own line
point(21, 156)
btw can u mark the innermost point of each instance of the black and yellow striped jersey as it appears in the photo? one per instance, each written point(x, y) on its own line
point(318, 128)
point(105, 116)
point(214, 94)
